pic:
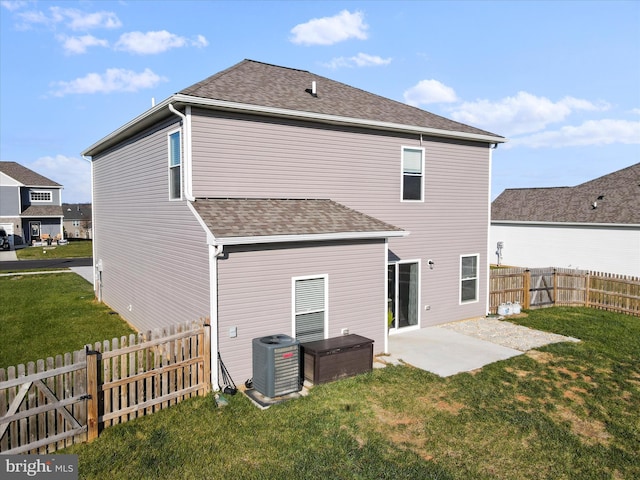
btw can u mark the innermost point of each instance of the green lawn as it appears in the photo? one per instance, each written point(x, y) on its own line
point(565, 411)
point(50, 314)
point(74, 249)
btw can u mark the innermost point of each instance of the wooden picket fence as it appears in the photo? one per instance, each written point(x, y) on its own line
point(53, 403)
point(542, 287)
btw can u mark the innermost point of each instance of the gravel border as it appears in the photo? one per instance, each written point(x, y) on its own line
point(505, 333)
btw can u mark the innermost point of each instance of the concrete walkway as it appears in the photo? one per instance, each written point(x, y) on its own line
point(445, 351)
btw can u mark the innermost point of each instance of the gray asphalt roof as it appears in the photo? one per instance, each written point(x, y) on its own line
point(262, 84)
point(612, 198)
point(42, 211)
point(245, 217)
point(26, 176)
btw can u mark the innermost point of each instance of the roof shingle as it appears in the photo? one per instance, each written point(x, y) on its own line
point(266, 85)
point(612, 198)
point(26, 176)
point(246, 217)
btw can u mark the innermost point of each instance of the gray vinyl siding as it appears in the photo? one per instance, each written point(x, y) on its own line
point(255, 293)
point(9, 201)
point(255, 157)
point(153, 251)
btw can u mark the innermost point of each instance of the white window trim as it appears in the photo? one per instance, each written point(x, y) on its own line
point(324, 276)
point(477, 299)
point(49, 192)
point(393, 331)
point(423, 181)
point(169, 166)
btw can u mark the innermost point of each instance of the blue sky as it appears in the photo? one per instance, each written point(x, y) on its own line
point(561, 80)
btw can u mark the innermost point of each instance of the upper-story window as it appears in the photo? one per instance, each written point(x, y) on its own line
point(40, 196)
point(412, 174)
point(175, 166)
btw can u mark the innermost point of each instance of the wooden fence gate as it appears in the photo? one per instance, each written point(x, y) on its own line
point(49, 405)
point(46, 404)
point(541, 288)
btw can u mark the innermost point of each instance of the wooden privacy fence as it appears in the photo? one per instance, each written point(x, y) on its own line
point(52, 404)
point(542, 287)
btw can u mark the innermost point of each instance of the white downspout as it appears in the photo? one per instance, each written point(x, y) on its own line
point(488, 261)
point(186, 123)
point(97, 276)
point(214, 252)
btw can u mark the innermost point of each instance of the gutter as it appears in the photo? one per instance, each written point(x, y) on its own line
point(531, 223)
point(318, 237)
point(152, 115)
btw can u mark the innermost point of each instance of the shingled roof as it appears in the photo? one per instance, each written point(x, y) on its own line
point(26, 176)
point(266, 85)
point(229, 218)
point(612, 198)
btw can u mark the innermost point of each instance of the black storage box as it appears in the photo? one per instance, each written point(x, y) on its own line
point(338, 357)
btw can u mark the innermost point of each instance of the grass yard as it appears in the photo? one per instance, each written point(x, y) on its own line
point(47, 315)
point(74, 249)
point(565, 411)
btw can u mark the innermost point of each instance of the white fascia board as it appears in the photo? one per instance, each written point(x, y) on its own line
point(564, 224)
point(147, 119)
point(319, 237)
point(123, 132)
point(335, 119)
point(211, 238)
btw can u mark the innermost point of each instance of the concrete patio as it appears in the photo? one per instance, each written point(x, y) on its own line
point(445, 351)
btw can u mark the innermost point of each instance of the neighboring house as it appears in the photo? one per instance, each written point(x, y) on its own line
point(30, 204)
point(592, 226)
point(273, 200)
point(77, 220)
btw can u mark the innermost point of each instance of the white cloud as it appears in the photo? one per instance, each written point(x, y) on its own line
point(330, 30)
point(429, 91)
point(113, 80)
point(73, 173)
point(523, 113)
point(359, 60)
point(155, 42)
point(635, 111)
point(72, 18)
point(78, 45)
point(12, 6)
point(591, 132)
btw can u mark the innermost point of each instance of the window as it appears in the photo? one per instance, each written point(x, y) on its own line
point(310, 308)
point(468, 278)
point(39, 196)
point(75, 223)
point(175, 166)
point(412, 173)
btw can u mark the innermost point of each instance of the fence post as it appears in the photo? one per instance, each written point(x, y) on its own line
point(587, 281)
point(526, 287)
point(92, 394)
point(555, 287)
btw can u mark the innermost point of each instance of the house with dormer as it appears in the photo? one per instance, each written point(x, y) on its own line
point(30, 205)
point(591, 226)
point(272, 200)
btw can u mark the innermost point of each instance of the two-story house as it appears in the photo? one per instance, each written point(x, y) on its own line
point(273, 200)
point(30, 204)
point(77, 220)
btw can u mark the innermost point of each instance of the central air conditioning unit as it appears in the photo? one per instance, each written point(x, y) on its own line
point(276, 365)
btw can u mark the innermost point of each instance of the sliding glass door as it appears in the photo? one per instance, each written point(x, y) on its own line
point(403, 289)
